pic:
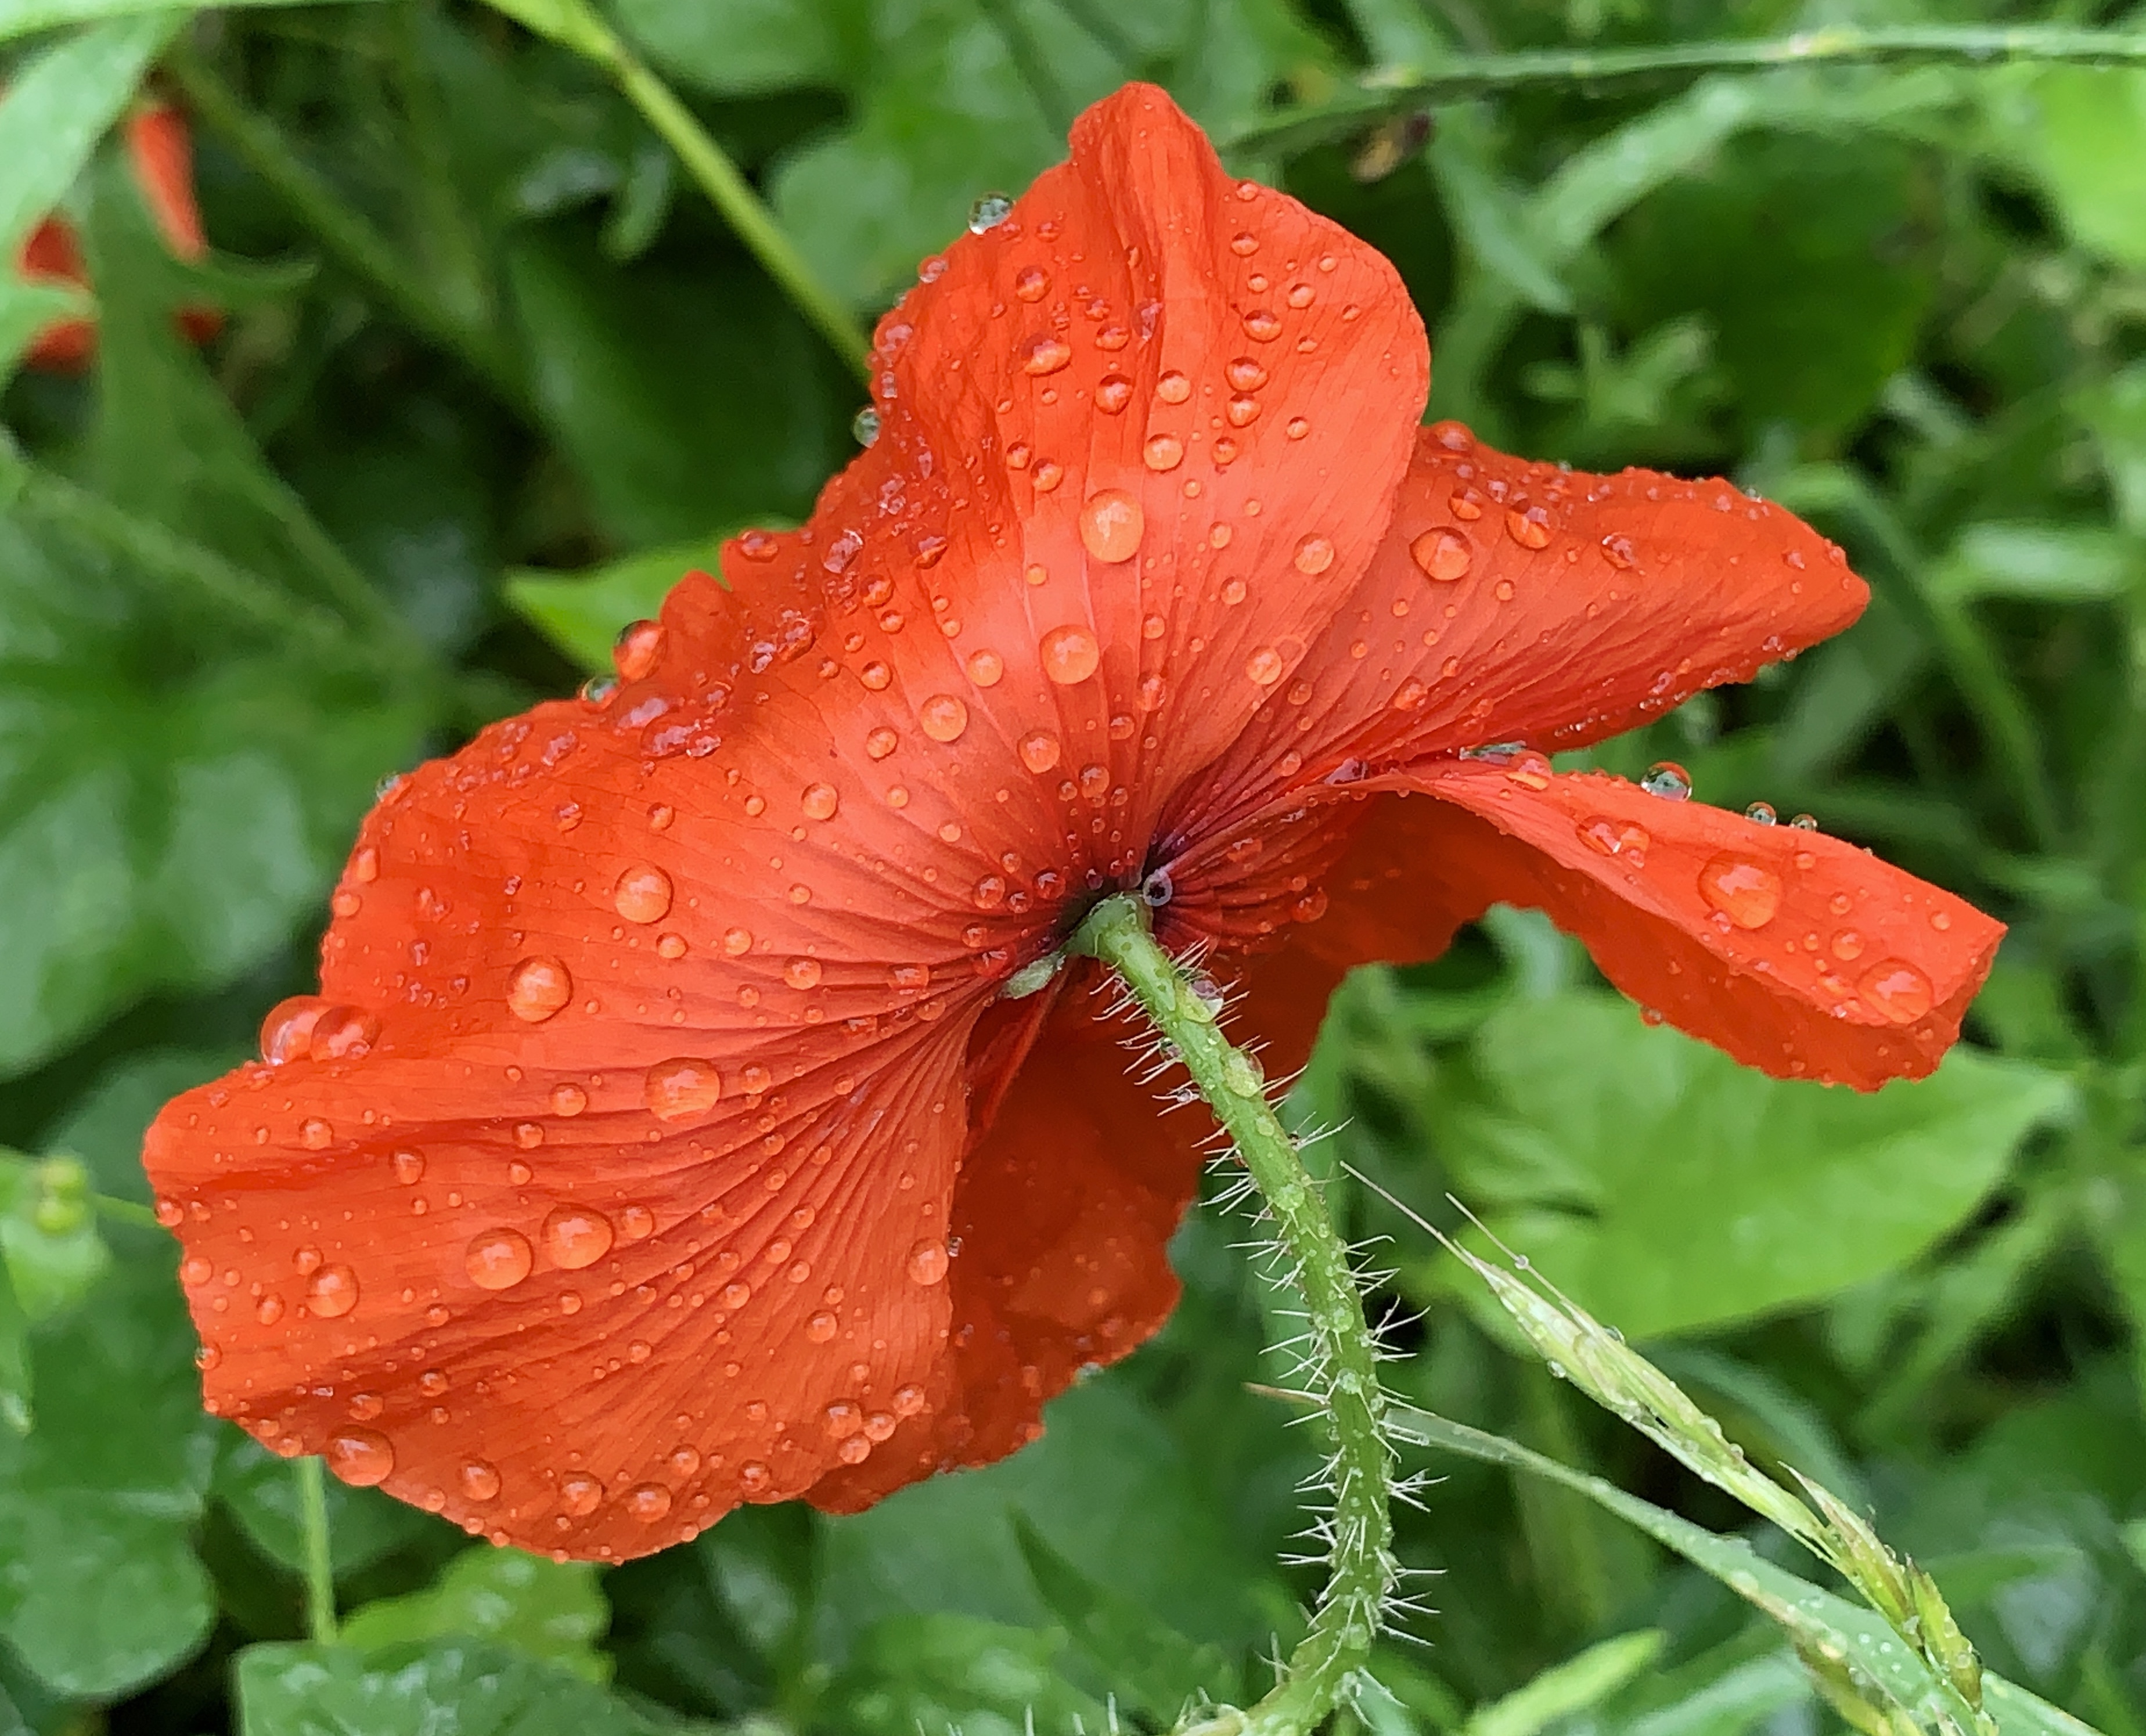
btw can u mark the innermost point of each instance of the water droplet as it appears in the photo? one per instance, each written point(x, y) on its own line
point(864, 426)
point(820, 802)
point(988, 212)
point(881, 742)
point(361, 1457)
point(1112, 525)
point(986, 667)
point(332, 1292)
point(1243, 242)
point(1668, 779)
point(1898, 989)
point(1847, 945)
point(1805, 822)
point(1040, 750)
point(819, 1327)
point(943, 717)
point(538, 988)
point(286, 1034)
point(409, 1167)
point(842, 1419)
point(364, 1407)
point(1245, 375)
point(1264, 667)
point(802, 973)
point(1069, 655)
point(648, 1501)
point(1173, 387)
point(480, 1481)
point(680, 1088)
point(908, 1400)
point(1113, 392)
point(636, 650)
point(1044, 353)
point(1261, 326)
point(1163, 451)
point(1442, 553)
point(1297, 427)
point(498, 1260)
point(876, 676)
point(576, 1236)
point(580, 1494)
point(1529, 528)
point(1314, 556)
point(269, 1310)
point(636, 1223)
point(754, 1477)
point(1746, 892)
point(643, 894)
point(1761, 813)
point(927, 1262)
point(1618, 551)
point(1031, 284)
point(1616, 838)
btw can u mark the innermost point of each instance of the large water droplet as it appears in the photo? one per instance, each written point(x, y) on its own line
point(680, 1088)
point(286, 1034)
point(634, 652)
point(943, 717)
point(1264, 667)
point(1113, 392)
point(1040, 750)
point(1616, 838)
point(361, 1457)
point(1112, 525)
point(1443, 554)
point(1262, 326)
point(538, 988)
point(1313, 555)
point(498, 1260)
point(580, 1494)
point(820, 1328)
point(986, 668)
point(643, 894)
point(1898, 989)
point(820, 802)
point(801, 973)
point(1529, 528)
point(927, 1262)
point(1748, 893)
point(344, 1033)
point(576, 1236)
point(908, 1400)
point(864, 426)
point(332, 1292)
point(648, 1501)
point(1163, 451)
point(1046, 353)
point(1069, 655)
point(1668, 779)
point(988, 212)
point(480, 1481)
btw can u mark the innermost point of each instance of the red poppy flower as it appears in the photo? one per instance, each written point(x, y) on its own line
point(664, 1137)
point(161, 157)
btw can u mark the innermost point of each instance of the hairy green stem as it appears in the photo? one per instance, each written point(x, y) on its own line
point(1468, 76)
point(359, 248)
point(1341, 1357)
point(319, 1565)
point(580, 27)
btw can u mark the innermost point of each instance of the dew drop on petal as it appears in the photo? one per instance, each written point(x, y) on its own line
point(1047, 353)
point(1069, 655)
point(639, 644)
point(988, 212)
point(636, 1223)
point(1668, 779)
point(1613, 837)
point(1264, 667)
point(864, 426)
point(643, 894)
point(1163, 451)
point(479, 1480)
point(576, 1236)
point(538, 988)
point(580, 1493)
point(1761, 813)
point(409, 1167)
point(332, 1292)
point(1113, 392)
point(1040, 750)
point(802, 973)
point(908, 1400)
point(819, 1327)
point(315, 1134)
point(1898, 989)
point(986, 667)
point(498, 1260)
point(680, 1088)
point(1443, 554)
point(820, 802)
point(927, 1262)
point(286, 1034)
point(1529, 528)
point(648, 1501)
point(361, 1457)
point(1112, 525)
point(568, 1099)
point(1748, 893)
point(881, 742)
point(1313, 555)
point(943, 717)
point(1261, 326)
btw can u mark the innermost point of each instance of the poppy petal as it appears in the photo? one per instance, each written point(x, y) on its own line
point(607, 1184)
point(1063, 1220)
point(1519, 602)
point(1135, 442)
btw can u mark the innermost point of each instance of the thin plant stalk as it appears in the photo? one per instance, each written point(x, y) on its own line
point(1341, 1359)
point(320, 1566)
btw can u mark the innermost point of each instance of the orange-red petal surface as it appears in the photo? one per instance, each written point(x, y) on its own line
point(1518, 601)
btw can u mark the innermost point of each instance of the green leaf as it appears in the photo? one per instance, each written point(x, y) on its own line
point(464, 1689)
point(2039, 562)
point(105, 1125)
point(24, 18)
point(48, 1233)
point(58, 106)
point(1151, 1665)
point(25, 309)
point(99, 1591)
point(744, 46)
point(256, 1489)
point(678, 418)
point(16, 1380)
point(1710, 1192)
point(582, 613)
point(945, 1674)
point(1568, 1688)
point(553, 1612)
point(2083, 131)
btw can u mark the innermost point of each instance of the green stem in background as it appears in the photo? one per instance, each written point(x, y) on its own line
point(1465, 78)
point(577, 25)
point(1341, 1356)
point(320, 1566)
point(360, 248)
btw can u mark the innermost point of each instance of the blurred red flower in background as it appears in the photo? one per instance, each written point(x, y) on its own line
point(161, 157)
point(662, 1138)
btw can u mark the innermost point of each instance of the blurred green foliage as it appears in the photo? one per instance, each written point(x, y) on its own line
point(493, 372)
